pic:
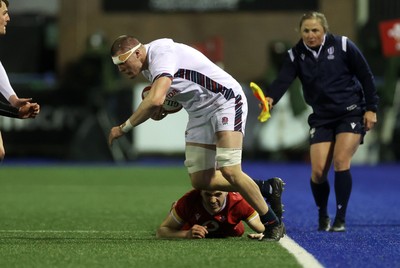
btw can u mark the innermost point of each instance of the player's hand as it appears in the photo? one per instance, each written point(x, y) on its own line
point(369, 120)
point(197, 232)
point(259, 236)
point(29, 110)
point(115, 133)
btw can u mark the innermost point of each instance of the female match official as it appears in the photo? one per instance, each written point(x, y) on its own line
point(338, 84)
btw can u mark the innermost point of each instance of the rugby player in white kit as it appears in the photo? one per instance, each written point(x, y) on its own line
point(217, 109)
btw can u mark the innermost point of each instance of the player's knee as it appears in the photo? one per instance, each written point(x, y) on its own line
point(319, 172)
point(318, 175)
point(229, 173)
point(341, 164)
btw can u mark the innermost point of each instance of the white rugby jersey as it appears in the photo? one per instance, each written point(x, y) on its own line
point(198, 84)
point(5, 87)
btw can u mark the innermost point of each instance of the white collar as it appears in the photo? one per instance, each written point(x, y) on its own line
point(315, 53)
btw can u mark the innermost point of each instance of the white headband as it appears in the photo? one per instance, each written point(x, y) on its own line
point(121, 58)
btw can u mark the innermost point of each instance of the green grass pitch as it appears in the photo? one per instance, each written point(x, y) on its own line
point(106, 216)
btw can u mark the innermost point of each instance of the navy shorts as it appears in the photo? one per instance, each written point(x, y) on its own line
point(328, 132)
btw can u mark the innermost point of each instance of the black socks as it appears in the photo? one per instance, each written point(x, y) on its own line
point(343, 186)
point(321, 195)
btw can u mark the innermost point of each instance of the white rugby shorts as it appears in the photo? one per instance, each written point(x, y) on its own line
point(230, 116)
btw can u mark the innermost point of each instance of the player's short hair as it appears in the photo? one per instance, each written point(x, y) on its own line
point(315, 15)
point(123, 43)
point(5, 2)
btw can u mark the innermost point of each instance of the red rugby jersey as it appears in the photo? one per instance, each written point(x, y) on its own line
point(189, 210)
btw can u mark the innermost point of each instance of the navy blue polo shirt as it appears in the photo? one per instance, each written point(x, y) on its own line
point(338, 83)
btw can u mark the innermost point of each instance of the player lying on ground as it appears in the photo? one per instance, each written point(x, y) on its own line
point(217, 214)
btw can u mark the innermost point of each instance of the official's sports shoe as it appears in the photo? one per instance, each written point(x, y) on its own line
point(274, 233)
point(324, 224)
point(338, 226)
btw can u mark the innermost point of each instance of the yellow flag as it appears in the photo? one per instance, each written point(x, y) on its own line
point(257, 91)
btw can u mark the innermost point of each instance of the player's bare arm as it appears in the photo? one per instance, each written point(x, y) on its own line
point(256, 225)
point(147, 108)
point(157, 95)
point(170, 228)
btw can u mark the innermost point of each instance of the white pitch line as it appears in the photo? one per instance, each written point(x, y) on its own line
point(304, 258)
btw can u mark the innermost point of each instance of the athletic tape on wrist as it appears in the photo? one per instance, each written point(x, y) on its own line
point(127, 126)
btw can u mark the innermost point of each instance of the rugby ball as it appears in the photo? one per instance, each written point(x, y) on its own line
point(170, 106)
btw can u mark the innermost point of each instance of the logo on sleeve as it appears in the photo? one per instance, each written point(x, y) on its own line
point(331, 51)
point(351, 107)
